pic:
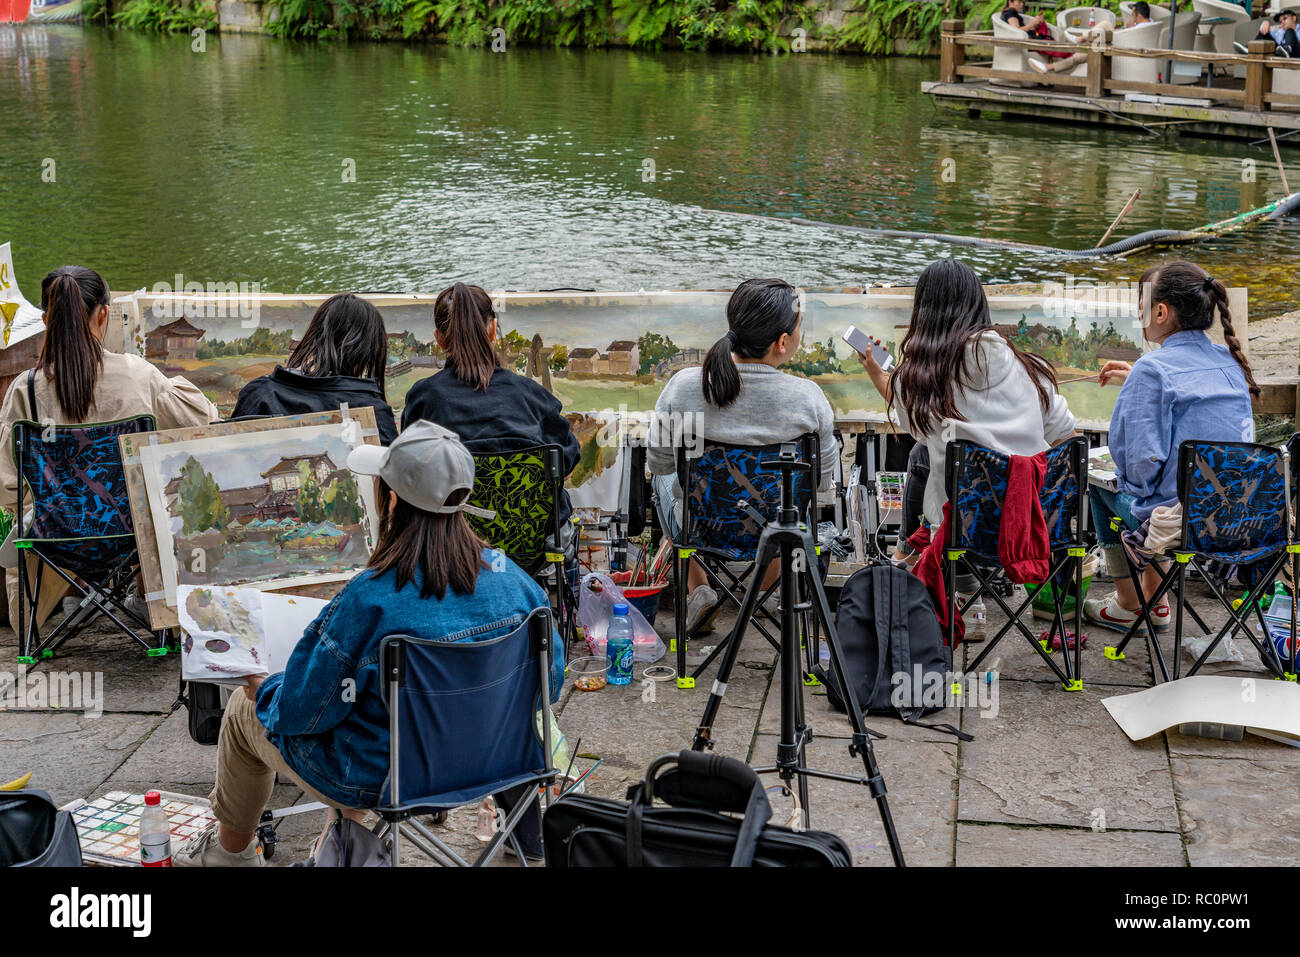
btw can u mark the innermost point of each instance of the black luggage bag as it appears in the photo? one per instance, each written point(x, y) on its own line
point(35, 833)
point(584, 831)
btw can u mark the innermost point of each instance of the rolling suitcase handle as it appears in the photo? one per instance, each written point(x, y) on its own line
point(707, 781)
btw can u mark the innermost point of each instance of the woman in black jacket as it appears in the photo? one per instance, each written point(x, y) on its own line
point(340, 359)
point(490, 408)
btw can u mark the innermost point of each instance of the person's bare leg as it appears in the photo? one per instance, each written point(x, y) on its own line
point(1126, 592)
point(695, 576)
point(233, 841)
point(1150, 580)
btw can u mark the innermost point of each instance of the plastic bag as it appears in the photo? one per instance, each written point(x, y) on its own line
point(1227, 650)
point(597, 596)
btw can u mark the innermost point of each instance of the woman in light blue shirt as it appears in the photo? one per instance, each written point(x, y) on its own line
point(1189, 388)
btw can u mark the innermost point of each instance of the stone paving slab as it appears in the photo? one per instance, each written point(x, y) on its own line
point(71, 754)
point(1238, 812)
point(920, 778)
point(1052, 757)
point(1000, 845)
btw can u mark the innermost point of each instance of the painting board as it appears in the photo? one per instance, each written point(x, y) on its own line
point(148, 495)
point(615, 350)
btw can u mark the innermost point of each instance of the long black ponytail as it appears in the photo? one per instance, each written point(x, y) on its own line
point(71, 355)
point(759, 312)
point(461, 315)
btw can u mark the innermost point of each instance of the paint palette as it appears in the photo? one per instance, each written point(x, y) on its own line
point(109, 827)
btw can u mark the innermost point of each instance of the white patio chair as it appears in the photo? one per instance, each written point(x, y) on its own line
point(1076, 18)
point(1144, 36)
point(1217, 37)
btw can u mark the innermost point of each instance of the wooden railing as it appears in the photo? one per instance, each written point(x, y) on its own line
point(1256, 95)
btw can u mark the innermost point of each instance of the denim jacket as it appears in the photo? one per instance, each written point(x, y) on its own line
point(324, 712)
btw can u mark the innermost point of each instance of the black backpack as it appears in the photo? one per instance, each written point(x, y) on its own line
point(893, 647)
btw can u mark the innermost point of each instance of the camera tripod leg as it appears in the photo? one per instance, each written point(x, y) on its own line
point(861, 746)
point(704, 733)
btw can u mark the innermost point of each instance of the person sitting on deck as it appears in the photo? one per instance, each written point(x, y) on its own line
point(1283, 33)
point(1141, 14)
point(341, 359)
point(1014, 16)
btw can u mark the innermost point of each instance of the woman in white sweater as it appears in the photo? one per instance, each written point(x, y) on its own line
point(959, 379)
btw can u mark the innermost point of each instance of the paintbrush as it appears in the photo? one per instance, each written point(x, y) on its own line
point(1078, 378)
point(572, 757)
point(636, 567)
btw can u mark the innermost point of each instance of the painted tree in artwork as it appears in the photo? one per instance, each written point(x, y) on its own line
point(198, 498)
point(309, 505)
point(341, 503)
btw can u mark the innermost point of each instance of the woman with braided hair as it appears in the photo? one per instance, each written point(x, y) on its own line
point(1189, 388)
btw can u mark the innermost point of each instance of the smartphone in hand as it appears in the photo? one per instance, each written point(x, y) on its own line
point(861, 342)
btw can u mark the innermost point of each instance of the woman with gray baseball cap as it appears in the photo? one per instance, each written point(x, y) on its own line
point(322, 720)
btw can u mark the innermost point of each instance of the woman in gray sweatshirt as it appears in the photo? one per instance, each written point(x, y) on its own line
point(739, 397)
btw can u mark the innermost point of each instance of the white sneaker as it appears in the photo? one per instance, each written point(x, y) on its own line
point(697, 603)
point(204, 850)
point(1109, 613)
point(1039, 66)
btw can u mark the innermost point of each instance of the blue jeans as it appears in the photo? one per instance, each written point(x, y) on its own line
point(1105, 506)
point(667, 504)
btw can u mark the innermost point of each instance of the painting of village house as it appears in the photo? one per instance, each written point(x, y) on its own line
point(571, 344)
point(259, 508)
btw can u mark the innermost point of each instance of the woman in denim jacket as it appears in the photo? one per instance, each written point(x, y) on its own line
point(322, 721)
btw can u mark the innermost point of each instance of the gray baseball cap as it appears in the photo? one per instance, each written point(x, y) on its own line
point(427, 466)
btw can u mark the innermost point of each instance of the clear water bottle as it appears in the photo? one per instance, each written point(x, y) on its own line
point(977, 619)
point(619, 647)
point(155, 833)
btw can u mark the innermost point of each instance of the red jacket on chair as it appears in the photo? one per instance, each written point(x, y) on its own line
point(1023, 547)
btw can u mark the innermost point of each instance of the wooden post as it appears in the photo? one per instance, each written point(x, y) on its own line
point(1098, 70)
point(1258, 77)
point(951, 53)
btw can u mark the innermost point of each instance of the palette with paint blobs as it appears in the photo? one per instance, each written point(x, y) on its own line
point(109, 827)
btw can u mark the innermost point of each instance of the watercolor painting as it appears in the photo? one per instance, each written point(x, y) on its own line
point(265, 508)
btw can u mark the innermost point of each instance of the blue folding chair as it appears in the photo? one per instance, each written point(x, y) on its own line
point(727, 499)
point(1236, 503)
point(976, 480)
point(462, 725)
point(79, 528)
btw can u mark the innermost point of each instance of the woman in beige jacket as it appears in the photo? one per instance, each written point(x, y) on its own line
point(77, 380)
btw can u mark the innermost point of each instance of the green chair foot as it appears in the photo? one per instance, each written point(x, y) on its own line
point(155, 652)
point(1074, 685)
point(810, 681)
point(686, 682)
point(1042, 643)
point(26, 660)
point(1113, 654)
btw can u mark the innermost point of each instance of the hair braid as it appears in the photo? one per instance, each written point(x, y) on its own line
point(1219, 294)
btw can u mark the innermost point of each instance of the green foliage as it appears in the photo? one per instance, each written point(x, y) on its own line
point(262, 342)
point(814, 358)
point(340, 502)
point(164, 16)
point(199, 500)
point(559, 358)
point(302, 18)
point(310, 504)
point(654, 349)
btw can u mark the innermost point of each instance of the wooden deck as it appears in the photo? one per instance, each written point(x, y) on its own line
point(1220, 105)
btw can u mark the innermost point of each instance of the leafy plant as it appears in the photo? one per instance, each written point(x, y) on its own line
point(301, 18)
point(166, 16)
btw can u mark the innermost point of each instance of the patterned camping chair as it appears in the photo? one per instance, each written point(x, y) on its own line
point(523, 488)
point(77, 526)
point(728, 497)
point(1236, 516)
point(976, 481)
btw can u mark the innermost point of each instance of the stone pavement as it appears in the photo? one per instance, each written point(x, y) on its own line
point(1042, 777)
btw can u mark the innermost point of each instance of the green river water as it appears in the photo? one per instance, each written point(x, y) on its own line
point(525, 170)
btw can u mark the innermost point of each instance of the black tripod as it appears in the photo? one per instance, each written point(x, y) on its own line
point(794, 544)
